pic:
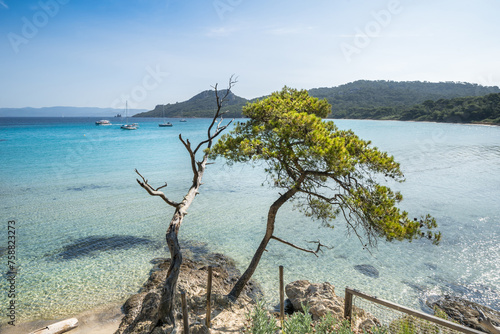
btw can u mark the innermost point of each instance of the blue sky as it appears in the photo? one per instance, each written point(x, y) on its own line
point(101, 53)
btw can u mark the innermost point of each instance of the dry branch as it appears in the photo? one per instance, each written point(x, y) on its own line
point(155, 192)
point(295, 246)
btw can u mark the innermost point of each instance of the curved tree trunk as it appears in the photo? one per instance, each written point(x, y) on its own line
point(271, 218)
point(166, 308)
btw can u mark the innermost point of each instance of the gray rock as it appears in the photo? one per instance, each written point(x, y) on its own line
point(320, 298)
point(468, 313)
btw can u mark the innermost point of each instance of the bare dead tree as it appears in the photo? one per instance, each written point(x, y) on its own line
point(166, 308)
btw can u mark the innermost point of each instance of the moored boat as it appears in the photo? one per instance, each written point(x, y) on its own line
point(165, 123)
point(127, 126)
point(103, 122)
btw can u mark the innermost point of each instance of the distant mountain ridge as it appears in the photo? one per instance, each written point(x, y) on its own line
point(362, 99)
point(351, 100)
point(200, 105)
point(65, 112)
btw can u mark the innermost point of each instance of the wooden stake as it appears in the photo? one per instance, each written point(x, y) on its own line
point(348, 305)
point(185, 318)
point(209, 295)
point(282, 298)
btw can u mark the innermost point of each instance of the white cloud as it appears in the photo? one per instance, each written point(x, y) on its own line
point(289, 30)
point(4, 4)
point(220, 32)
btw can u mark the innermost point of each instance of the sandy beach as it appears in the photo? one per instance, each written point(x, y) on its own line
point(104, 320)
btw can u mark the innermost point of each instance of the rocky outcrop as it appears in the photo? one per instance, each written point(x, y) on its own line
point(321, 299)
point(469, 314)
point(141, 309)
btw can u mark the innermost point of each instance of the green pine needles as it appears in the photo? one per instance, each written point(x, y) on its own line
point(331, 173)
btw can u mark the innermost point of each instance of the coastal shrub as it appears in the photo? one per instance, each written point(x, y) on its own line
point(299, 322)
point(379, 330)
point(260, 322)
point(409, 325)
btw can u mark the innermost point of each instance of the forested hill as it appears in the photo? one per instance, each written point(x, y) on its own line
point(482, 109)
point(360, 99)
point(350, 100)
point(201, 105)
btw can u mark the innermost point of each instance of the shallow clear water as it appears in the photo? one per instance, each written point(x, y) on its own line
point(86, 231)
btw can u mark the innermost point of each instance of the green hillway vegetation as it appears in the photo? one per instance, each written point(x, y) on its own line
point(382, 100)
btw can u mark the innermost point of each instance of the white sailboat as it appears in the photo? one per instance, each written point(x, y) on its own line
point(164, 124)
point(127, 126)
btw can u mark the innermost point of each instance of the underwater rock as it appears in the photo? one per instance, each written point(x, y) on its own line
point(368, 270)
point(431, 266)
point(90, 246)
point(92, 186)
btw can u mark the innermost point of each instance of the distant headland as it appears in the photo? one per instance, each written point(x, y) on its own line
point(450, 102)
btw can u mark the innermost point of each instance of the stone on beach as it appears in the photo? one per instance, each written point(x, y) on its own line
point(321, 299)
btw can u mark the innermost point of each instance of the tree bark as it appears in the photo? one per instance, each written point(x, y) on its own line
point(166, 309)
point(271, 218)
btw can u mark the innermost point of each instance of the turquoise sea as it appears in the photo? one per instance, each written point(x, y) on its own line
point(85, 231)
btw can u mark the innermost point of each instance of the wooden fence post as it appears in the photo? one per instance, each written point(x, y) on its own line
point(282, 298)
point(348, 305)
point(185, 318)
point(209, 296)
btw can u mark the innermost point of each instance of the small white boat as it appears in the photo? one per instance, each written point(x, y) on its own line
point(103, 122)
point(127, 126)
point(183, 120)
point(165, 123)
